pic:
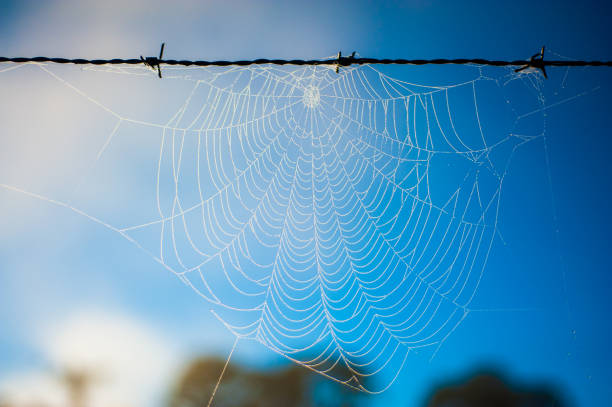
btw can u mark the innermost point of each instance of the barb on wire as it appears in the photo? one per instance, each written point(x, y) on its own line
point(537, 61)
point(153, 62)
point(344, 61)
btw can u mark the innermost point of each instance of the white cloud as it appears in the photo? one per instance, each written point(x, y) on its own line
point(32, 389)
point(129, 364)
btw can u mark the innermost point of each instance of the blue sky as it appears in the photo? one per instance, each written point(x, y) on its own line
point(544, 296)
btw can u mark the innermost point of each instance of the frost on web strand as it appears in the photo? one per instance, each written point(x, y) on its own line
point(342, 220)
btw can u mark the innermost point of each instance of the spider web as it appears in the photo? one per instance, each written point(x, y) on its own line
point(342, 220)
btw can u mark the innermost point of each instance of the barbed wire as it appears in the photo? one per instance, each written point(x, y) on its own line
point(537, 61)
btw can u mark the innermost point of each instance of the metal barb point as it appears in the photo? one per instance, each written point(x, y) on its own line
point(344, 61)
point(154, 62)
point(537, 62)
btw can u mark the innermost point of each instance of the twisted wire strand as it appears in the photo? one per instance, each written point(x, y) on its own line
point(342, 61)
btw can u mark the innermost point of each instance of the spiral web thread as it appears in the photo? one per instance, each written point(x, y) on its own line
point(341, 220)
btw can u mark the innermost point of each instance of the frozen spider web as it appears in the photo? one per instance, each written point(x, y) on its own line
point(343, 220)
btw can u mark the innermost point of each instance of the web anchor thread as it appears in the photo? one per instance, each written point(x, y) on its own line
point(536, 62)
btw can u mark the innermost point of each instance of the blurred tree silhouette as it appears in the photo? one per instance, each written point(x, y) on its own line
point(290, 386)
point(77, 383)
point(489, 390)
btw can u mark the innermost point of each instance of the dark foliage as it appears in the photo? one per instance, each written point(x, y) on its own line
point(290, 386)
point(489, 390)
